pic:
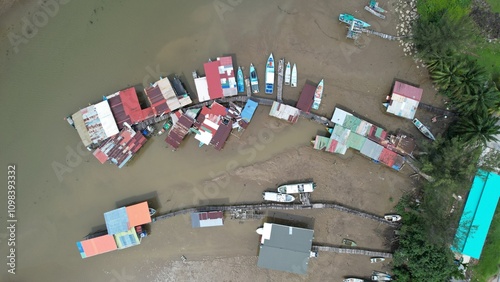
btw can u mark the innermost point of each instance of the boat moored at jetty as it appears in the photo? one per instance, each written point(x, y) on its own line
point(425, 131)
point(350, 19)
point(240, 81)
point(288, 73)
point(294, 76)
point(318, 94)
point(270, 74)
point(297, 188)
point(392, 217)
point(353, 280)
point(278, 197)
point(254, 80)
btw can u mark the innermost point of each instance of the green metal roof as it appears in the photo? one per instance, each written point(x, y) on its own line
point(477, 215)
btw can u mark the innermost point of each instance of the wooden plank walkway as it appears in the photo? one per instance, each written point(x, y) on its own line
point(281, 69)
point(277, 206)
point(380, 34)
point(353, 251)
point(435, 110)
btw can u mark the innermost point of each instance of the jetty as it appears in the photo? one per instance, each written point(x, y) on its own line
point(255, 208)
point(380, 34)
point(281, 69)
point(352, 251)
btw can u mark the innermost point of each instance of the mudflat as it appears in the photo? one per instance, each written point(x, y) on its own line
point(87, 49)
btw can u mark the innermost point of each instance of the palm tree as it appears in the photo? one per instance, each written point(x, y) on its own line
point(477, 129)
point(471, 79)
point(436, 61)
point(478, 103)
point(448, 74)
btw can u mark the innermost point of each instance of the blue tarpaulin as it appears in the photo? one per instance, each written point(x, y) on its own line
point(249, 110)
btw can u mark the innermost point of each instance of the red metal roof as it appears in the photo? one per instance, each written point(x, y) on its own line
point(407, 91)
point(391, 159)
point(221, 135)
point(179, 131)
point(213, 79)
point(158, 102)
point(120, 148)
point(306, 98)
point(218, 109)
point(210, 215)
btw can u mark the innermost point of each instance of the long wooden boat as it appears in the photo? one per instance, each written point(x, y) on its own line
point(376, 259)
point(349, 19)
point(374, 5)
point(240, 81)
point(278, 197)
point(294, 76)
point(425, 131)
point(318, 94)
point(287, 73)
point(270, 75)
point(254, 80)
point(348, 242)
point(297, 188)
point(354, 280)
point(373, 12)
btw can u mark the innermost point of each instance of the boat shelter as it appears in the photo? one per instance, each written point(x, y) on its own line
point(477, 214)
point(120, 148)
point(404, 100)
point(284, 112)
point(95, 123)
point(285, 248)
point(163, 99)
point(207, 219)
point(306, 98)
point(126, 108)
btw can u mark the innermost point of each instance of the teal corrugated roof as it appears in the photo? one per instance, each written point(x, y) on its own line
point(477, 215)
point(355, 141)
point(352, 123)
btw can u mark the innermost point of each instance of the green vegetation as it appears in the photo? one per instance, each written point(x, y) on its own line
point(490, 260)
point(449, 43)
point(495, 5)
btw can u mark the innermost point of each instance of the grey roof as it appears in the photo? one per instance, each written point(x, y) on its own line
point(288, 249)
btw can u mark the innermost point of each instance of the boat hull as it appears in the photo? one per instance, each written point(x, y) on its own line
point(288, 73)
point(318, 95)
point(241, 81)
point(297, 188)
point(425, 131)
point(293, 81)
point(254, 80)
point(278, 197)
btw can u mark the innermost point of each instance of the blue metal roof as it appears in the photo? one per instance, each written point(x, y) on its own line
point(477, 215)
point(249, 110)
point(116, 220)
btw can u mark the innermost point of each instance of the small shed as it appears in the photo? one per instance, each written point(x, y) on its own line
point(285, 248)
point(207, 219)
point(306, 98)
point(284, 112)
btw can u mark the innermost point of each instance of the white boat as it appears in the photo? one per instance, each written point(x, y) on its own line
point(318, 94)
point(376, 259)
point(381, 276)
point(392, 217)
point(260, 230)
point(354, 280)
point(294, 76)
point(425, 131)
point(278, 197)
point(297, 188)
point(270, 75)
point(287, 73)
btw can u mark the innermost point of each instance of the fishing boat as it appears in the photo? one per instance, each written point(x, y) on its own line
point(278, 197)
point(374, 5)
point(294, 76)
point(70, 121)
point(260, 230)
point(318, 94)
point(254, 80)
point(270, 74)
point(392, 217)
point(373, 12)
point(287, 73)
point(354, 280)
point(240, 81)
point(348, 242)
point(376, 259)
point(350, 19)
point(423, 129)
point(380, 276)
point(297, 188)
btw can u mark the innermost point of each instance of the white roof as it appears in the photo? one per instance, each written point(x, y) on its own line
point(402, 106)
point(204, 137)
point(266, 232)
point(202, 88)
point(105, 115)
point(166, 89)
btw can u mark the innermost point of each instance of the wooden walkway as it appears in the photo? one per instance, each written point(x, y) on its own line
point(281, 69)
point(353, 251)
point(435, 110)
point(380, 34)
point(276, 206)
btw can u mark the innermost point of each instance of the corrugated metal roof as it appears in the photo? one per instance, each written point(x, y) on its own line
point(96, 246)
point(138, 214)
point(339, 116)
point(402, 106)
point(351, 122)
point(355, 141)
point(371, 149)
point(478, 214)
point(249, 110)
point(286, 249)
point(306, 98)
point(408, 91)
point(221, 135)
point(207, 219)
point(213, 79)
point(116, 220)
point(120, 148)
point(202, 89)
point(179, 131)
point(391, 159)
point(284, 112)
point(127, 239)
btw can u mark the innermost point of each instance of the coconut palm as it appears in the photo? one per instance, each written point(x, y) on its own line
point(477, 129)
point(479, 102)
point(448, 74)
point(471, 79)
point(436, 61)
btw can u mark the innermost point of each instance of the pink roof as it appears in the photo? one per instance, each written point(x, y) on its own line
point(213, 79)
point(99, 245)
point(131, 104)
point(218, 109)
point(407, 91)
point(138, 214)
point(306, 98)
point(100, 156)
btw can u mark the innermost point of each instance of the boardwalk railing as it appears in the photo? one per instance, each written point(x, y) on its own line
point(353, 251)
